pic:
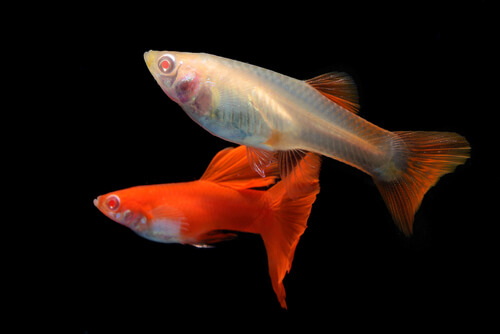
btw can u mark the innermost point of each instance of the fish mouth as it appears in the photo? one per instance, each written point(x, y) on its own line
point(96, 201)
point(149, 58)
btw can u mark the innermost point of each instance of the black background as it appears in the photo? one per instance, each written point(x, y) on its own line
point(417, 67)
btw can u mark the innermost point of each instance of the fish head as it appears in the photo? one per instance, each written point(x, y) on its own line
point(124, 209)
point(184, 78)
point(138, 209)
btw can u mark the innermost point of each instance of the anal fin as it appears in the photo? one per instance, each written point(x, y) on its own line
point(260, 159)
point(206, 240)
point(293, 173)
point(298, 170)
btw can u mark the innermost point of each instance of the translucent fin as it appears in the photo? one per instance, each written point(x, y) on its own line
point(260, 160)
point(167, 212)
point(289, 221)
point(297, 175)
point(338, 87)
point(203, 246)
point(424, 157)
point(230, 167)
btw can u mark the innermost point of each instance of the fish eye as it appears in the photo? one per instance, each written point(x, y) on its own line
point(113, 202)
point(166, 64)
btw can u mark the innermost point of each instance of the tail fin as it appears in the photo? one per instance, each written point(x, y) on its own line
point(282, 232)
point(423, 158)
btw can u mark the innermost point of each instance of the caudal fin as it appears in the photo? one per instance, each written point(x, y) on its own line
point(421, 159)
point(282, 231)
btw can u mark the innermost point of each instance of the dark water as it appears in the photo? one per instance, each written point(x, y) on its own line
point(417, 69)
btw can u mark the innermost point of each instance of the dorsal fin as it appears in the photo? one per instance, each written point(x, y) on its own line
point(230, 167)
point(339, 88)
point(289, 220)
point(290, 166)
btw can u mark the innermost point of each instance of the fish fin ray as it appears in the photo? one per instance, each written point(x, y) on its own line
point(166, 211)
point(288, 222)
point(426, 156)
point(260, 160)
point(201, 245)
point(339, 87)
point(232, 167)
point(297, 170)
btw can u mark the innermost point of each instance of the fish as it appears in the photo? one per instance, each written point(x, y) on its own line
point(229, 197)
point(282, 118)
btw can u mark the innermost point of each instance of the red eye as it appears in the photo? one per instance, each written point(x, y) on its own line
point(166, 64)
point(113, 202)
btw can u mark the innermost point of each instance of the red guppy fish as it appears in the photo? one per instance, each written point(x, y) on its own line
point(230, 196)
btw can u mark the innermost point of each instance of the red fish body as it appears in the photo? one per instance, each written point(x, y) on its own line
point(202, 212)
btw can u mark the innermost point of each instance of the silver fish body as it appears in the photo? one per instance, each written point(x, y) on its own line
point(270, 112)
point(253, 106)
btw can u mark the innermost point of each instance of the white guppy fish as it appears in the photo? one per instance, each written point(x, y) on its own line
point(279, 117)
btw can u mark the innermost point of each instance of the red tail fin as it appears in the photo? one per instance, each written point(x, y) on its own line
point(282, 232)
point(423, 158)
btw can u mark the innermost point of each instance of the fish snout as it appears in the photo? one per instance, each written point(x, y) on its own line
point(96, 201)
point(149, 58)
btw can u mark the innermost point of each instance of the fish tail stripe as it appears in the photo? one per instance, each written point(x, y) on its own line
point(427, 156)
